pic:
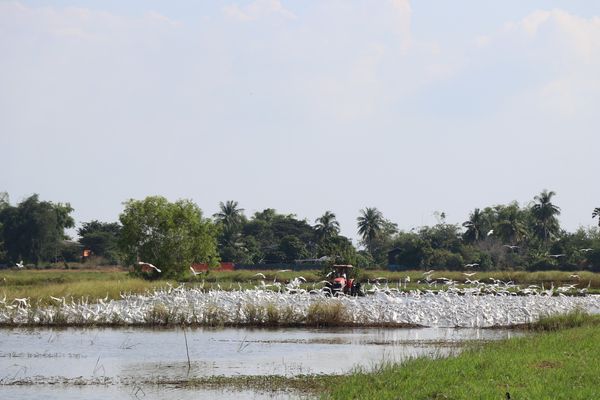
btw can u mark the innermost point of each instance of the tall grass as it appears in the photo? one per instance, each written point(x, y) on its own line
point(38, 286)
point(573, 319)
point(322, 314)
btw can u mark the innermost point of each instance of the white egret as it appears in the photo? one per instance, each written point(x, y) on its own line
point(557, 255)
point(148, 265)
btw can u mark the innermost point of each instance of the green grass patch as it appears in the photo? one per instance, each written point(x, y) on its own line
point(557, 363)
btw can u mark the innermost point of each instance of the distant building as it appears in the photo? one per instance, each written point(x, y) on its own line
point(223, 266)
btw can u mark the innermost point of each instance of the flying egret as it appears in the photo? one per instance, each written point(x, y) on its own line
point(512, 247)
point(148, 265)
point(194, 271)
point(472, 265)
point(490, 232)
point(20, 264)
point(556, 255)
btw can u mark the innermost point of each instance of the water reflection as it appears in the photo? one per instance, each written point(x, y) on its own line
point(146, 392)
point(115, 360)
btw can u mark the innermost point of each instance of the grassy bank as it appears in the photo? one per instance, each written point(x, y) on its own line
point(558, 363)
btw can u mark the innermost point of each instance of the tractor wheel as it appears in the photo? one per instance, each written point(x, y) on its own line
point(356, 290)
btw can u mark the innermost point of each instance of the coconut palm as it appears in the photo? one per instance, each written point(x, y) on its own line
point(545, 214)
point(511, 226)
point(596, 213)
point(327, 226)
point(475, 226)
point(230, 215)
point(370, 223)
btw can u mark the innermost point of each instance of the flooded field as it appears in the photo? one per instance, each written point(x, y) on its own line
point(153, 363)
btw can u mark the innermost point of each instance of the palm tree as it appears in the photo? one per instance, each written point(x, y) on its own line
point(545, 214)
point(327, 226)
point(475, 225)
point(230, 215)
point(596, 213)
point(370, 224)
point(510, 226)
point(512, 229)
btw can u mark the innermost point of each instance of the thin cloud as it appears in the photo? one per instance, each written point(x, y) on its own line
point(257, 9)
point(566, 48)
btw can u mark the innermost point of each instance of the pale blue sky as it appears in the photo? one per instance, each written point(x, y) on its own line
point(412, 107)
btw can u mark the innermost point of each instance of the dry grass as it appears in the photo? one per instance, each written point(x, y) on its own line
point(38, 286)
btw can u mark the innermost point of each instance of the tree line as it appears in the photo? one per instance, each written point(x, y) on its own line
point(174, 235)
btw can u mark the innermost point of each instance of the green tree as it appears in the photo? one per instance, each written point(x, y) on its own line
point(411, 251)
point(34, 230)
point(442, 236)
point(102, 238)
point(596, 213)
point(370, 224)
point(475, 226)
point(169, 235)
point(327, 226)
point(510, 224)
point(545, 213)
point(230, 215)
point(338, 249)
point(292, 249)
point(4, 202)
point(231, 220)
point(267, 229)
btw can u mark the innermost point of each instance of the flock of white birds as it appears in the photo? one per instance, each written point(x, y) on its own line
point(450, 305)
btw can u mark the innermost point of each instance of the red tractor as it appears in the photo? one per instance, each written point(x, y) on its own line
point(339, 281)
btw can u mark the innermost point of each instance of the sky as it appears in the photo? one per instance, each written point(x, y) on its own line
point(413, 107)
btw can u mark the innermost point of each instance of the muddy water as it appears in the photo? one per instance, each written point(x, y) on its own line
point(127, 363)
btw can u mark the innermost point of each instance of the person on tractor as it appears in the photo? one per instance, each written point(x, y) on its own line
point(339, 283)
